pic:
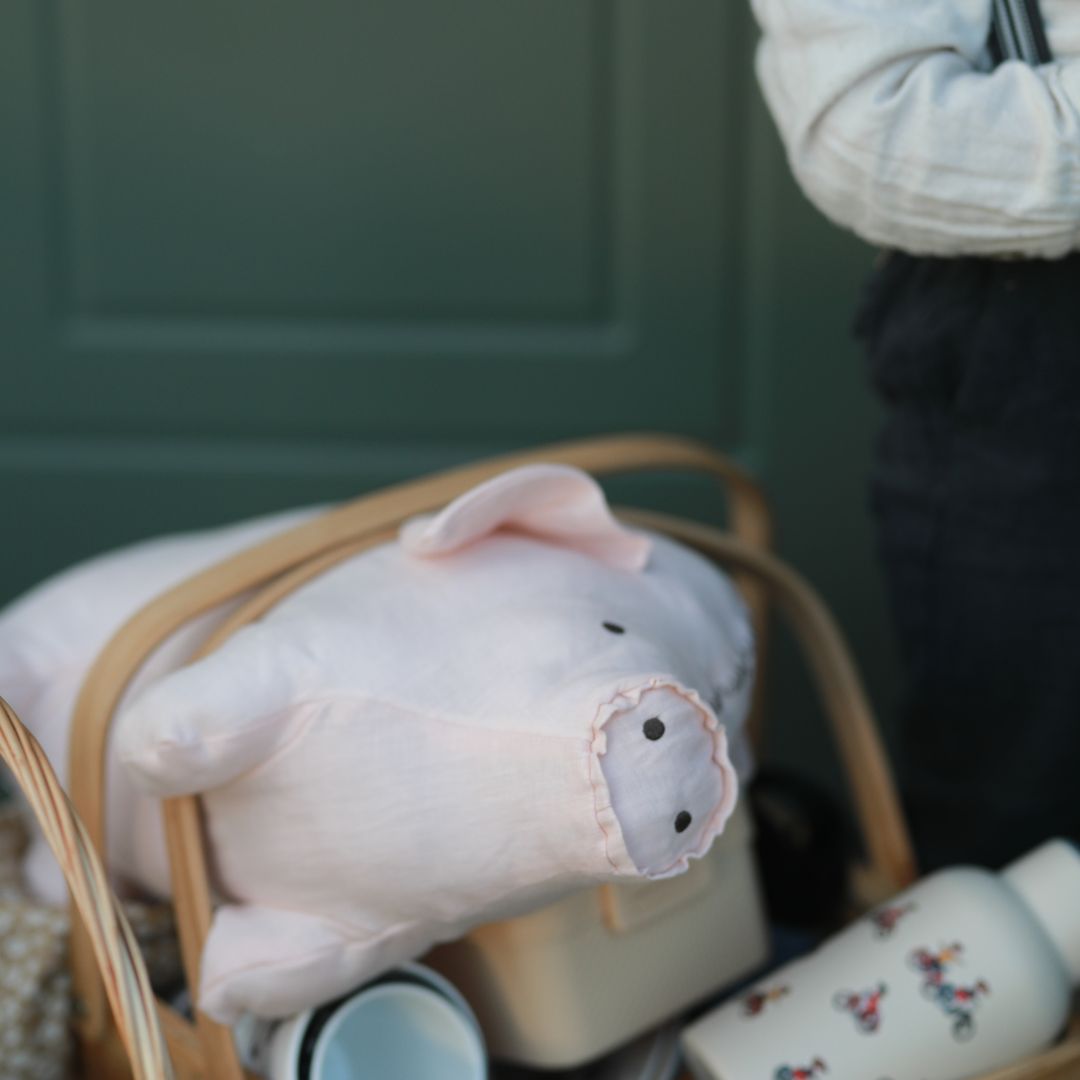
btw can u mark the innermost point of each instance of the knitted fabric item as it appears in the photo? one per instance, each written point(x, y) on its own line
point(35, 983)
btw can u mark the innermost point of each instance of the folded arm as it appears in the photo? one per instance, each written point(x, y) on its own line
point(894, 131)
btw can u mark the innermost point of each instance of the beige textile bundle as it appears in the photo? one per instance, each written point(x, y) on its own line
point(35, 979)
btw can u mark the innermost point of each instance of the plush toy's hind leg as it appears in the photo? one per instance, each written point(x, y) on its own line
point(275, 963)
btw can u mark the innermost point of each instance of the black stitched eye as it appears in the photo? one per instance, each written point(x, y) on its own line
point(614, 628)
point(653, 728)
point(682, 821)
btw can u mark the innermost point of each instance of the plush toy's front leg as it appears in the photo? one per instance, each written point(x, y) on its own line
point(275, 963)
point(200, 727)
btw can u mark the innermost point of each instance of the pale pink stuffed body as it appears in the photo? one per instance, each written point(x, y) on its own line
point(518, 700)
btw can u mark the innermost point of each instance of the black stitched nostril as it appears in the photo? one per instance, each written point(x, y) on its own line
point(682, 821)
point(653, 728)
point(614, 627)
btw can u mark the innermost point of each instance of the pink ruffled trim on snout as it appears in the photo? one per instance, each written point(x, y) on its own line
point(614, 845)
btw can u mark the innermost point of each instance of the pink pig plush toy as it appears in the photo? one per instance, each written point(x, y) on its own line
point(519, 698)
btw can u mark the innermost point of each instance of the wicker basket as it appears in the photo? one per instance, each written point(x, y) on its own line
point(121, 1028)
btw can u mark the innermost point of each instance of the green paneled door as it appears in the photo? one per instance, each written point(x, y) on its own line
point(257, 253)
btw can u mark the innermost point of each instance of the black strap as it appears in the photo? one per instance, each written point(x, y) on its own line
point(1017, 32)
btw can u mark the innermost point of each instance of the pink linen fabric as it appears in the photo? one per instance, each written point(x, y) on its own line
point(520, 698)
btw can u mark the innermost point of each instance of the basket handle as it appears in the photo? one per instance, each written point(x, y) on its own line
point(120, 659)
point(122, 656)
point(126, 982)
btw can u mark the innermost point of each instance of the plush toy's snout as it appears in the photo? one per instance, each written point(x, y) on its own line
point(664, 759)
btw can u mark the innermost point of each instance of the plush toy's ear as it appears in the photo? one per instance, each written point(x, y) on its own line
point(198, 727)
point(556, 503)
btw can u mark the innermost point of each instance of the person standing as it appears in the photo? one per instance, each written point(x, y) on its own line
point(949, 135)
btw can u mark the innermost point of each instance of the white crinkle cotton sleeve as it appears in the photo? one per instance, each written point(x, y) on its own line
point(894, 129)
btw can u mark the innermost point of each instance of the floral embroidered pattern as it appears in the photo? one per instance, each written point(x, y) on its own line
point(864, 1007)
point(956, 1001)
point(804, 1072)
point(754, 1003)
point(886, 919)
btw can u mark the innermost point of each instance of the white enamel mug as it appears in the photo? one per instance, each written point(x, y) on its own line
point(411, 1023)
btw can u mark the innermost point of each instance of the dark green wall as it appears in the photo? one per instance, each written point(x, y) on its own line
point(255, 254)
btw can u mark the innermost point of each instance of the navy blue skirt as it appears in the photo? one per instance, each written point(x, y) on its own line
point(976, 495)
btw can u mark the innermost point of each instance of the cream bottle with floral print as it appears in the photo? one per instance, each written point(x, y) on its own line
point(965, 972)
